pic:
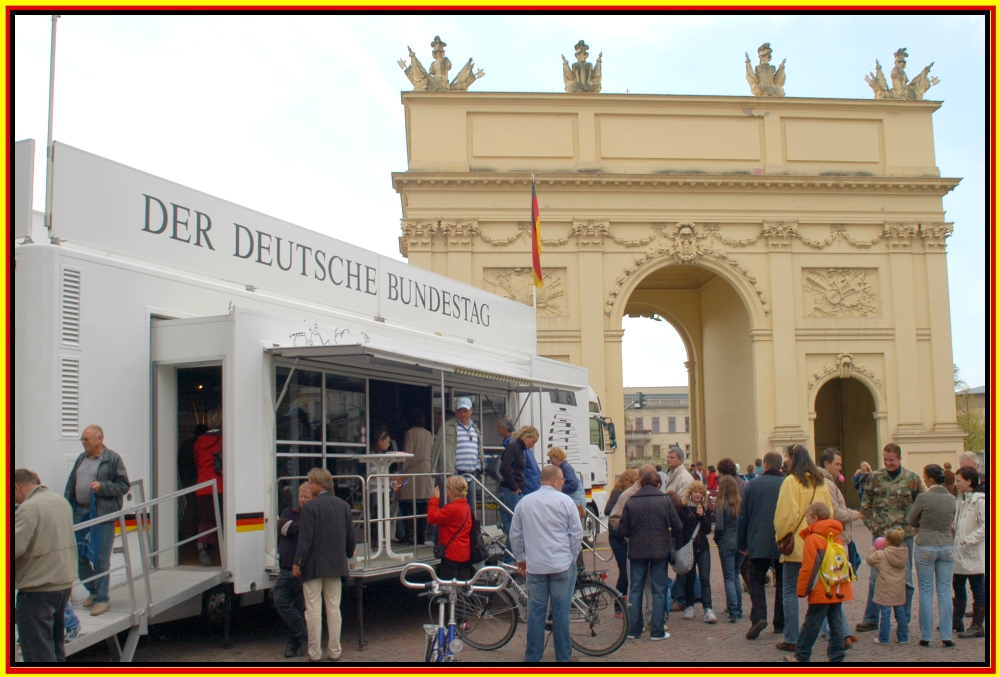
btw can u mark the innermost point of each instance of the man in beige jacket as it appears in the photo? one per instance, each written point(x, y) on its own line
point(45, 558)
point(830, 465)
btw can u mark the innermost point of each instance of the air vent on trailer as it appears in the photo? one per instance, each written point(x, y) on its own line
point(71, 278)
point(69, 395)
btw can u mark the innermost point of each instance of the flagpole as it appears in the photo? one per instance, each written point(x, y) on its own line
point(534, 288)
point(48, 145)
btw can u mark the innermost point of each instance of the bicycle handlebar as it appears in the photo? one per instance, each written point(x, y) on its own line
point(436, 582)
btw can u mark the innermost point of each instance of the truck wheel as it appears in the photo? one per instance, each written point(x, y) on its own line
point(213, 605)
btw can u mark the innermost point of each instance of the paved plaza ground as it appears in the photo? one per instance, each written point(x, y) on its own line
point(394, 618)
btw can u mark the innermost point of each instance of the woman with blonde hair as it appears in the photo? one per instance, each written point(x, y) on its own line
point(696, 513)
point(618, 544)
point(572, 486)
point(727, 509)
point(454, 522)
point(512, 464)
point(860, 478)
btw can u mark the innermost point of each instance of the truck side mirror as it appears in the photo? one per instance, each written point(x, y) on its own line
point(612, 438)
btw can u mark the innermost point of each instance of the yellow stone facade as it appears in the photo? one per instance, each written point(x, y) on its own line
point(797, 245)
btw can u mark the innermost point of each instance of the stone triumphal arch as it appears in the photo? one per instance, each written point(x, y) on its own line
point(797, 245)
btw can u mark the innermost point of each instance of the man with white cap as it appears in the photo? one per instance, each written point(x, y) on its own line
point(458, 446)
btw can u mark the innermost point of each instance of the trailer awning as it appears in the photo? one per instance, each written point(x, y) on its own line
point(420, 365)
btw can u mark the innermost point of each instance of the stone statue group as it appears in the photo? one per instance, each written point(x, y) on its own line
point(581, 76)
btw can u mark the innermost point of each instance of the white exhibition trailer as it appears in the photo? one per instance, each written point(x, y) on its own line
point(157, 302)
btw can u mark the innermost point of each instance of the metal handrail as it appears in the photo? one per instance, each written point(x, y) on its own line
point(143, 518)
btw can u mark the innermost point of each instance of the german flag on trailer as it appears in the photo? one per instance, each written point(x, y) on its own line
point(249, 521)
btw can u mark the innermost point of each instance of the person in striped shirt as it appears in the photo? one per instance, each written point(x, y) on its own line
point(458, 446)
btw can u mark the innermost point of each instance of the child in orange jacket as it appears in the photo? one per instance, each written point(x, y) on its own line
point(823, 603)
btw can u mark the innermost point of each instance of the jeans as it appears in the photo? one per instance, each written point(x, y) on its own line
point(406, 509)
point(40, 618)
point(509, 499)
point(320, 591)
point(758, 595)
point(902, 630)
point(703, 563)
point(732, 563)
point(871, 608)
point(543, 590)
point(833, 613)
point(70, 620)
point(679, 590)
point(825, 630)
point(620, 548)
point(98, 588)
point(790, 602)
point(978, 584)
point(290, 604)
point(657, 571)
point(934, 566)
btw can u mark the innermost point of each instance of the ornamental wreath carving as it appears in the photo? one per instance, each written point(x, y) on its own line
point(846, 365)
point(688, 243)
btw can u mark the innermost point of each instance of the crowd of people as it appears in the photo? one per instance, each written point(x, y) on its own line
point(787, 520)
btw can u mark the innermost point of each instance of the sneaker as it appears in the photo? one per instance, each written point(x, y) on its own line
point(99, 608)
point(631, 636)
point(665, 635)
point(619, 614)
point(878, 641)
point(89, 602)
point(710, 617)
point(72, 634)
point(689, 613)
point(791, 659)
point(866, 626)
point(756, 629)
point(203, 556)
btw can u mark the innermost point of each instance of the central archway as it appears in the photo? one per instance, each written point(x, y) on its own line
point(711, 314)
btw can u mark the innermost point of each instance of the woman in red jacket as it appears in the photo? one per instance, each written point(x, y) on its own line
point(454, 522)
point(206, 449)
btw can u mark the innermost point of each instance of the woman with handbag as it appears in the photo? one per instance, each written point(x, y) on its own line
point(696, 516)
point(970, 553)
point(803, 485)
point(208, 460)
point(454, 523)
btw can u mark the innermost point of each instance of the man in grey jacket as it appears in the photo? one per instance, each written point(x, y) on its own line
point(44, 568)
point(98, 474)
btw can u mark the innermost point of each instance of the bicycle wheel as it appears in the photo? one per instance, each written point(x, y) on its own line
point(598, 619)
point(486, 620)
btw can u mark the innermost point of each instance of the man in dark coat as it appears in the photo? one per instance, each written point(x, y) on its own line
point(326, 543)
point(755, 538)
point(647, 521)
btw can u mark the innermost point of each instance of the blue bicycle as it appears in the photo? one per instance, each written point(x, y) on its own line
point(440, 643)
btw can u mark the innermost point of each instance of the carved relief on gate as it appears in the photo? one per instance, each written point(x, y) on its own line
point(840, 292)
point(517, 284)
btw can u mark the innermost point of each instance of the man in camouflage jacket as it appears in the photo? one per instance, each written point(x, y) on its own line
point(889, 495)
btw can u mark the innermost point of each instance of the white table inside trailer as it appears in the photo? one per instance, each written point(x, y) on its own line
point(378, 465)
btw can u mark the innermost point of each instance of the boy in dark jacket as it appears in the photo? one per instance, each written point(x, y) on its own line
point(647, 521)
point(822, 604)
point(287, 593)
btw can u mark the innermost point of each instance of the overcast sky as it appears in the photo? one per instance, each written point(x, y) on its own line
point(299, 117)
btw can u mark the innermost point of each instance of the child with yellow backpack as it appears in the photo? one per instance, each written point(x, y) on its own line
point(825, 579)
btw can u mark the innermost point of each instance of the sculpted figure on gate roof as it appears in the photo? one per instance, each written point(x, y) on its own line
point(764, 79)
point(902, 87)
point(436, 79)
point(582, 76)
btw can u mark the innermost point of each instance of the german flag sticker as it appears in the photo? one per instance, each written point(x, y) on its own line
point(249, 521)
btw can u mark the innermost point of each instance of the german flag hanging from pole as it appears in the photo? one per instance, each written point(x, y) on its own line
point(536, 239)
